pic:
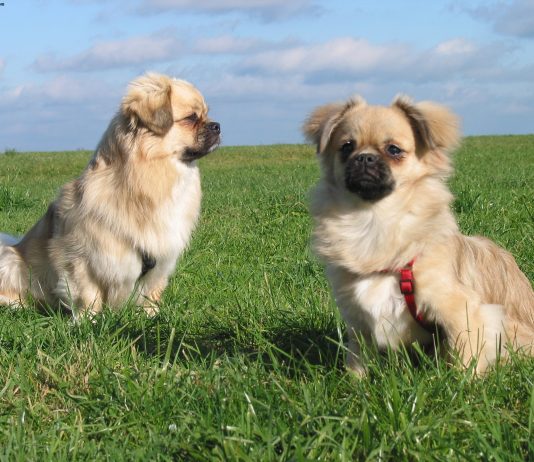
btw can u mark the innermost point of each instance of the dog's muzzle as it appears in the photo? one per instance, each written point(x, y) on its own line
point(211, 138)
point(368, 176)
point(214, 127)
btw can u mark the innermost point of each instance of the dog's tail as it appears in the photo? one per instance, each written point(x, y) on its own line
point(12, 271)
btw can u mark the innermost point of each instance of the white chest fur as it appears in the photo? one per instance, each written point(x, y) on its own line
point(175, 219)
point(179, 214)
point(374, 306)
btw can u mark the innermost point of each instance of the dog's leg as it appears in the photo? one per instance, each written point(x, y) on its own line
point(358, 322)
point(520, 335)
point(354, 361)
point(91, 301)
point(151, 299)
point(474, 330)
point(81, 299)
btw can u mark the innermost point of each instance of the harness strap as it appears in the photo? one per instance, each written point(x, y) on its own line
point(407, 288)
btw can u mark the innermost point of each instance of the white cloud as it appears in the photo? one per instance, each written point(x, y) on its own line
point(461, 58)
point(61, 90)
point(228, 44)
point(114, 54)
point(268, 88)
point(64, 112)
point(2, 65)
point(265, 9)
point(349, 58)
point(346, 55)
point(455, 47)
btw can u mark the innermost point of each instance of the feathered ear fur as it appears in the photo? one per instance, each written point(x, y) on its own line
point(321, 123)
point(148, 103)
point(435, 127)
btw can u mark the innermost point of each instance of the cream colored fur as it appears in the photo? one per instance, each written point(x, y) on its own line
point(137, 195)
point(469, 286)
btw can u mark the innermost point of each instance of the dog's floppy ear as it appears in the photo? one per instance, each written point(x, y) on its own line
point(434, 126)
point(148, 103)
point(321, 123)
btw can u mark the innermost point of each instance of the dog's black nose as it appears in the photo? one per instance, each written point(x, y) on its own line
point(214, 127)
point(366, 158)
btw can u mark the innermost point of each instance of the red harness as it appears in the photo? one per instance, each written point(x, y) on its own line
point(407, 288)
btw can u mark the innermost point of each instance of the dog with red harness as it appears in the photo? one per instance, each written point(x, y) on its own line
point(396, 260)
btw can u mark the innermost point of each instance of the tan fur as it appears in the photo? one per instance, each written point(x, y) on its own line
point(138, 194)
point(468, 285)
point(322, 122)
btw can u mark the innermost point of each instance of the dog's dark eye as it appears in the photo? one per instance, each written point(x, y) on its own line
point(347, 149)
point(394, 151)
point(192, 118)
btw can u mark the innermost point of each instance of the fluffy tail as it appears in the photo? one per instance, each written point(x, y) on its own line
point(12, 270)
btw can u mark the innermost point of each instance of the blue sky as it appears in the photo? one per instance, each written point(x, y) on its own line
point(262, 65)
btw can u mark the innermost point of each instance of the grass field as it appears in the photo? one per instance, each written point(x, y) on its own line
point(245, 360)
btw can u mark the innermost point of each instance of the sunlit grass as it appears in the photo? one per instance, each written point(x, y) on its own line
point(245, 360)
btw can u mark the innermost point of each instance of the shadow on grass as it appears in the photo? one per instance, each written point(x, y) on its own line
point(293, 348)
point(287, 345)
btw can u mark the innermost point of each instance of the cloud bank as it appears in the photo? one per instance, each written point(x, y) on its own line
point(267, 10)
point(113, 54)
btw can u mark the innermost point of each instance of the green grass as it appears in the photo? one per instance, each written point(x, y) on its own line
point(245, 360)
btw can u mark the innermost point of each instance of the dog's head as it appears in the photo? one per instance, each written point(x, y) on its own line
point(169, 117)
point(370, 151)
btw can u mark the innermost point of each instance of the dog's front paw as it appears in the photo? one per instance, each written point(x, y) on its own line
point(355, 366)
point(151, 308)
point(358, 372)
point(150, 302)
